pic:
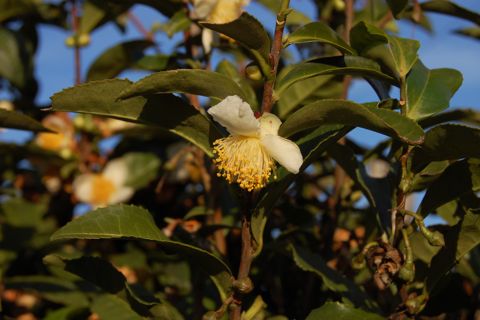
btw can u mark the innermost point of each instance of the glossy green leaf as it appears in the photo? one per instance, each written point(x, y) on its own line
point(459, 241)
point(68, 313)
point(92, 269)
point(249, 32)
point(397, 6)
point(17, 120)
point(334, 281)
point(447, 142)
point(19, 212)
point(100, 98)
point(11, 65)
point(348, 113)
point(319, 32)
point(228, 69)
point(463, 115)
point(111, 307)
point(458, 179)
point(473, 32)
point(403, 51)
point(339, 311)
point(451, 9)
point(349, 65)
point(200, 82)
point(142, 168)
point(124, 221)
point(116, 59)
point(157, 62)
point(177, 23)
point(430, 91)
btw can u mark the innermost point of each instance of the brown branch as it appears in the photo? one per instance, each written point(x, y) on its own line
point(268, 99)
point(139, 26)
point(75, 27)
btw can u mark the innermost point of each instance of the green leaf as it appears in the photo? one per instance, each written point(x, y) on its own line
point(397, 6)
point(459, 240)
point(319, 32)
point(447, 142)
point(458, 179)
point(177, 23)
point(143, 168)
point(111, 307)
point(463, 115)
point(404, 52)
point(123, 221)
point(68, 313)
point(347, 65)
point(11, 65)
point(344, 112)
point(92, 269)
point(19, 212)
point(430, 91)
point(17, 120)
point(53, 289)
point(249, 32)
point(334, 281)
point(200, 82)
point(228, 69)
point(339, 311)
point(157, 62)
point(473, 32)
point(98, 12)
point(116, 59)
point(100, 98)
point(451, 9)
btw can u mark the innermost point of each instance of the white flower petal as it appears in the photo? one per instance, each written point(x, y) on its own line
point(116, 171)
point(286, 152)
point(83, 186)
point(236, 116)
point(207, 40)
point(121, 194)
point(269, 124)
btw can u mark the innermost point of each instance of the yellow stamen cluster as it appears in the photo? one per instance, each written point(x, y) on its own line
point(243, 160)
point(51, 141)
point(102, 190)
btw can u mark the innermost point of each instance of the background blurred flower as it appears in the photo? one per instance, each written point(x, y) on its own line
point(108, 187)
point(62, 140)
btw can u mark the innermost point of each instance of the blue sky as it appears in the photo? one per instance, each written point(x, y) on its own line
point(441, 49)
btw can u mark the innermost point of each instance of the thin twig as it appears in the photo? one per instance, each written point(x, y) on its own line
point(268, 99)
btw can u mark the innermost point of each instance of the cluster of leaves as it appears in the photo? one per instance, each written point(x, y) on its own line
point(318, 250)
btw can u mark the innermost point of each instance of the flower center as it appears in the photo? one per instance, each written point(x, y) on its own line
point(51, 141)
point(102, 190)
point(243, 160)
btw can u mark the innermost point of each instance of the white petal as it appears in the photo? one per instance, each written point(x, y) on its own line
point(269, 124)
point(207, 40)
point(121, 194)
point(286, 152)
point(116, 171)
point(83, 186)
point(236, 116)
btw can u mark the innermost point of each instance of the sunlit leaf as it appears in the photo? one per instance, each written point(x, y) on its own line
point(430, 91)
point(339, 311)
point(109, 306)
point(348, 113)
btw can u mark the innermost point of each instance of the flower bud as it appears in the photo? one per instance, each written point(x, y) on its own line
point(243, 286)
point(252, 71)
point(407, 272)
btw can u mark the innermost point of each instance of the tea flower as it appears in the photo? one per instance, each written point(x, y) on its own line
point(246, 157)
point(61, 141)
point(106, 188)
point(218, 12)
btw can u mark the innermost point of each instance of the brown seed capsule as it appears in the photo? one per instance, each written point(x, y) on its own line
point(243, 286)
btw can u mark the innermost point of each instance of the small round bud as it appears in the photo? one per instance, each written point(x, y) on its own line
point(84, 40)
point(243, 286)
point(339, 5)
point(252, 71)
point(70, 42)
point(437, 239)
